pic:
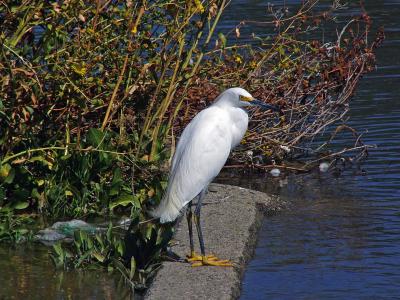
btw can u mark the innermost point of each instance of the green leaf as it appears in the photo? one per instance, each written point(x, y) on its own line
point(20, 205)
point(10, 178)
point(100, 241)
point(89, 242)
point(77, 239)
point(223, 39)
point(125, 200)
point(118, 265)
point(65, 157)
point(98, 256)
point(116, 182)
point(109, 231)
point(22, 231)
point(95, 137)
point(58, 249)
point(113, 191)
point(120, 249)
point(133, 268)
point(43, 160)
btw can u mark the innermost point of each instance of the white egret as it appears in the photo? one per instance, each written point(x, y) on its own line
point(202, 151)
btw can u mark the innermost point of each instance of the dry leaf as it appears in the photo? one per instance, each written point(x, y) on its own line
point(237, 31)
point(82, 18)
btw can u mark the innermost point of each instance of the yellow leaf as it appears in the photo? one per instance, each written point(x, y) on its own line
point(238, 59)
point(79, 69)
point(5, 170)
point(199, 5)
point(68, 193)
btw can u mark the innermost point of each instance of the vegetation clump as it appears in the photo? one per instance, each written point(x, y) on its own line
point(93, 94)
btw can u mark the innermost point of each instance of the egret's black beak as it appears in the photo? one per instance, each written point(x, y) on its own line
point(265, 106)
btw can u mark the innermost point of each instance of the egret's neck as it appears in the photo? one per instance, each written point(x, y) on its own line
point(240, 121)
point(224, 101)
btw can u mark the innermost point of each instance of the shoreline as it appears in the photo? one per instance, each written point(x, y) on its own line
point(231, 219)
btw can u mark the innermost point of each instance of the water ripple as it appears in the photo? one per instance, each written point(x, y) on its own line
point(339, 239)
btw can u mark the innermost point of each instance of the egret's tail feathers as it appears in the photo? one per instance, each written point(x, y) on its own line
point(167, 211)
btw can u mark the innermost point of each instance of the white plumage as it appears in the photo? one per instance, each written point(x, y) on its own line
point(201, 153)
point(203, 149)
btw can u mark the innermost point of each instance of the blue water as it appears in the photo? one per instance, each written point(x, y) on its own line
point(339, 237)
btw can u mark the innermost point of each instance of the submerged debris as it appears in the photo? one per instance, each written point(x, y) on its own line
point(65, 230)
point(275, 172)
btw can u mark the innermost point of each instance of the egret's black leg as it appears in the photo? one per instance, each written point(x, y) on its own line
point(189, 216)
point(197, 212)
point(205, 260)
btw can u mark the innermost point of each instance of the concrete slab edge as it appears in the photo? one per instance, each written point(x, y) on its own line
point(231, 219)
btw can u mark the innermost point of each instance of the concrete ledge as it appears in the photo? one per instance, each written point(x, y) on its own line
point(231, 217)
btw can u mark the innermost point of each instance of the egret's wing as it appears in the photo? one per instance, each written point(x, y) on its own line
point(205, 149)
point(200, 155)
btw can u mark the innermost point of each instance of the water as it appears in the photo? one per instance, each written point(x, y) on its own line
point(339, 237)
point(26, 272)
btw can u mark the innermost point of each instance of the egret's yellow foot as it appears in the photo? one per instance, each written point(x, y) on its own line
point(196, 257)
point(212, 261)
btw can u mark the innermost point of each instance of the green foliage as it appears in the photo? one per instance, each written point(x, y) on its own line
point(85, 88)
point(70, 66)
point(135, 256)
point(67, 183)
point(12, 228)
point(87, 250)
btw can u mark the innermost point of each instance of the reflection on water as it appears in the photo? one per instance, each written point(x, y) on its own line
point(340, 237)
point(28, 273)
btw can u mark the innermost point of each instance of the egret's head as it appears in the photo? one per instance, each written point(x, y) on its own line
point(238, 97)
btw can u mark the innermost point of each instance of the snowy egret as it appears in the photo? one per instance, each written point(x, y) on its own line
point(202, 151)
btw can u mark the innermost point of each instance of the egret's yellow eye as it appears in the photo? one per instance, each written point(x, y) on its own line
point(244, 98)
